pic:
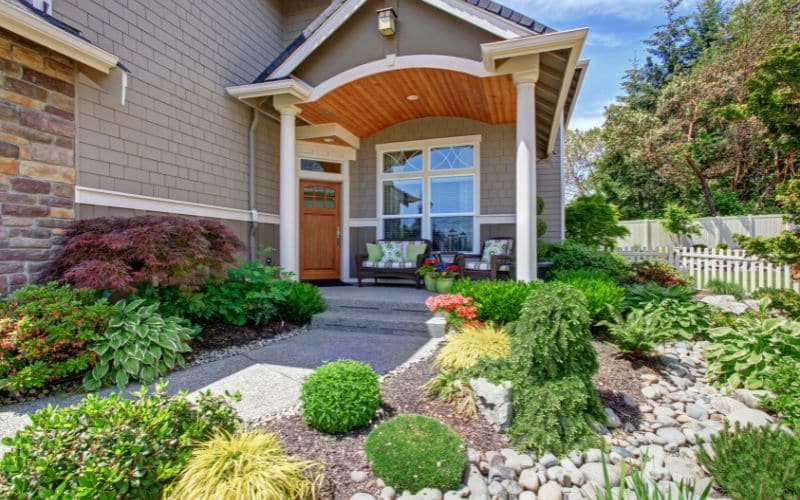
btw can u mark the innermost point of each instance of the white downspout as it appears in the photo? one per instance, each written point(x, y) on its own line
point(251, 185)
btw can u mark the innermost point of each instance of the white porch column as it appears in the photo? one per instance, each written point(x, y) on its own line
point(289, 239)
point(525, 240)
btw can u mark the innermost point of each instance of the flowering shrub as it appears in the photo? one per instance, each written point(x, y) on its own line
point(457, 307)
point(45, 334)
point(114, 253)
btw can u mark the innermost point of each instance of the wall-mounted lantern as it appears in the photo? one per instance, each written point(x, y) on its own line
point(386, 21)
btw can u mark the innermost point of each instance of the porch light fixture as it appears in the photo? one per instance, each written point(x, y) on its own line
point(413, 97)
point(386, 21)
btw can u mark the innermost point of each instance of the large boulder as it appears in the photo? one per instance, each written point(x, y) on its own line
point(494, 401)
point(727, 303)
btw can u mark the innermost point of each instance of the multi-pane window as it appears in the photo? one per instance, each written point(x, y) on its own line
point(430, 193)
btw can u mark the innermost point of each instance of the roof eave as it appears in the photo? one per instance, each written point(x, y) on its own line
point(28, 25)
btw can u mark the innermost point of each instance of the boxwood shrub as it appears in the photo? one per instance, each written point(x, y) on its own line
point(340, 396)
point(412, 452)
point(110, 447)
point(497, 301)
point(575, 256)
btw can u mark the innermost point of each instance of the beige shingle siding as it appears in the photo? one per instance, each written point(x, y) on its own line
point(180, 136)
point(298, 14)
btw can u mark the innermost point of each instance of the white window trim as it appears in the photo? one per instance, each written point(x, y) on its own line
point(426, 175)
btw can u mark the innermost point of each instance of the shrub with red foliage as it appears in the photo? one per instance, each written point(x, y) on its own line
point(46, 332)
point(116, 253)
point(657, 271)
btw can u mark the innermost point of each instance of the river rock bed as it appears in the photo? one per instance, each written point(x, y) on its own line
point(660, 432)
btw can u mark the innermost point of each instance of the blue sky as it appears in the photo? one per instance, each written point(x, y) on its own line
point(616, 31)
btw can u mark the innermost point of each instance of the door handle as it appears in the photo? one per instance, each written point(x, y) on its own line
point(338, 232)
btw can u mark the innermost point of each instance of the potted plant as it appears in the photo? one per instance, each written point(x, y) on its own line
point(445, 277)
point(428, 273)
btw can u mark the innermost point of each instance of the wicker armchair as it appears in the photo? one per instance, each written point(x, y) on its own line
point(496, 260)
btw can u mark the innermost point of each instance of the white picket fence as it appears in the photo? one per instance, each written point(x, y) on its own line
point(731, 265)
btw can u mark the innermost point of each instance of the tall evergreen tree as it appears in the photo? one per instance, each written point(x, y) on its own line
point(706, 30)
point(669, 44)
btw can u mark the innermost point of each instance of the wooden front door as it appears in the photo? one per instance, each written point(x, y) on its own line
point(320, 230)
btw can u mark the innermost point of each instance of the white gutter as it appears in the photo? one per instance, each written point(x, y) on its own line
point(251, 184)
point(26, 24)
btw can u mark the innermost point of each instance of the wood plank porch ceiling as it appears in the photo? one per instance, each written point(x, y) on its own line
point(370, 104)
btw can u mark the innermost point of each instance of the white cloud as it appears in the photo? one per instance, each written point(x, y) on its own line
point(605, 40)
point(547, 10)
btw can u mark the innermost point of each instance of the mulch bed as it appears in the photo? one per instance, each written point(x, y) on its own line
point(402, 393)
point(619, 375)
point(221, 336)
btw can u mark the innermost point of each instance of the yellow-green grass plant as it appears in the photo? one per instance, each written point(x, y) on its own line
point(453, 388)
point(248, 465)
point(464, 349)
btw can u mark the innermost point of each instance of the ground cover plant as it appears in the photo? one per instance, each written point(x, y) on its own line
point(722, 287)
point(497, 301)
point(680, 319)
point(46, 332)
point(412, 452)
point(656, 271)
point(550, 365)
point(116, 253)
point(110, 447)
point(784, 383)
point(575, 256)
point(139, 344)
point(604, 296)
point(755, 462)
point(245, 465)
point(782, 299)
point(743, 355)
point(340, 396)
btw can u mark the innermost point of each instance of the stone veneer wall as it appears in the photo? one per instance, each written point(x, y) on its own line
point(37, 169)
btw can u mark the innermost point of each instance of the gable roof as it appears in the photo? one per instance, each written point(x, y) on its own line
point(491, 9)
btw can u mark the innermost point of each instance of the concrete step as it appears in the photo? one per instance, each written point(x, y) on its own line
point(379, 305)
point(372, 321)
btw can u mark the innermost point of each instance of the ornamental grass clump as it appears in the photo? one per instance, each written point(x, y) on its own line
point(340, 396)
point(550, 365)
point(245, 465)
point(412, 452)
point(464, 349)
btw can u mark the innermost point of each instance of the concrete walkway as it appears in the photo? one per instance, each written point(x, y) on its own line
point(269, 378)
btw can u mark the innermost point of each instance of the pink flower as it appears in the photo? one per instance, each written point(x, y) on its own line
point(447, 302)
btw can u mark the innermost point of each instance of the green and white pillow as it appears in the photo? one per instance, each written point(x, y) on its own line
point(392, 251)
point(496, 247)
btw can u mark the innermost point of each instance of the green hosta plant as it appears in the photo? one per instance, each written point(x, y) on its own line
point(139, 344)
point(743, 356)
point(638, 333)
point(638, 295)
point(680, 319)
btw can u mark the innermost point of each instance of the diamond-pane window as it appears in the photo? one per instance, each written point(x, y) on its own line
point(398, 162)
point(451, 157)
